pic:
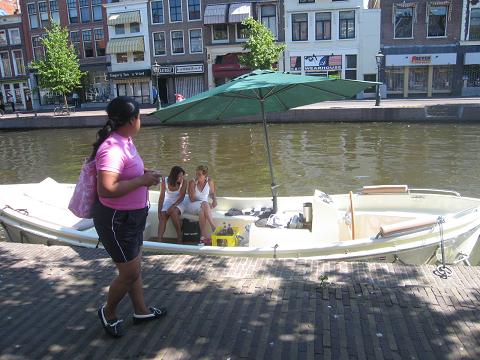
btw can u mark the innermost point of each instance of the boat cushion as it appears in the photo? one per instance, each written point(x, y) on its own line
point(382, 189)
point(408, 225)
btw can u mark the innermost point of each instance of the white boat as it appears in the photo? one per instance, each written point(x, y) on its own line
point(390, 223)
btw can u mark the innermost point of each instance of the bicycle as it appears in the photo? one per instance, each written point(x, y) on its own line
point(63, 110)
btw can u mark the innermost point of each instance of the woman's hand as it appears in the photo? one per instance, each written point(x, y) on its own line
point(150, 178)
point(213, 205)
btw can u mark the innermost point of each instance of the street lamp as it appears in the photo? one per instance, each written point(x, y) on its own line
point(156, 73)
point(379, 59)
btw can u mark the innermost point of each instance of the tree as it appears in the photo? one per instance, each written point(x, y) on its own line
point(263, 51)
point(59, 71)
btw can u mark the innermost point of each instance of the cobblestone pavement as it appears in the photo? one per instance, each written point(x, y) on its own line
point(232, 308)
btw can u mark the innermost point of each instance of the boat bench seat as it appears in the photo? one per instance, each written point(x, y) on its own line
point(408, 225)
point(219, 216)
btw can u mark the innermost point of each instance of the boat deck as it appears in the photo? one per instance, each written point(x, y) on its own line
point(231, 308)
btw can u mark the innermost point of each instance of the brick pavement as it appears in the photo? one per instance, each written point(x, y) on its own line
point(232, 308)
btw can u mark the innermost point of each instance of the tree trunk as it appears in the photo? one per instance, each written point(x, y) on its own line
point(65, 100)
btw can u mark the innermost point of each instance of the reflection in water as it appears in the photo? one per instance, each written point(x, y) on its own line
point(334, 157)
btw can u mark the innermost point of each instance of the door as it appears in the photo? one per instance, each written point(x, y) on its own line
point(163, 90)
point(28, 99)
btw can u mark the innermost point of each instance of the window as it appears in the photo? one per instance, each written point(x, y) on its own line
point(295, 63)
point(32, 15)
point(99, 42)
point(84, 11)
point(220, 33)
point(43, 10)
point(300, 27)
point(193, 9)
point(351, 67)
point(403, 23)
point(323, 26)
point(177, 42)
point(417, 79)
point(370, 77)
point(442, 79)
point(134, 27)
point(347, 24)
point(3, 38)
point(37, 47)
point(394, 77)
point(159, 44)
point(18, 62)
point(175, 10)
point(138, 56)
point(241, 31)
point(472, 73)
point(437, 21)
point(196, 44)
point(97, 10)
point(75, 40)
point(54, 11)
point(72, 11)
point(269, 18)
point(5, 64)
point(474, 30)
point(87, 43)
point(119, 29)
point(122, 58)
point(14, 35)
point(157, 12)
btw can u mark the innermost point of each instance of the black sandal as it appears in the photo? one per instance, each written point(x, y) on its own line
point(156, 313)
point(113, 327)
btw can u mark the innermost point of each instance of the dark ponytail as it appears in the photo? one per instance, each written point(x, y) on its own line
point(120, 111)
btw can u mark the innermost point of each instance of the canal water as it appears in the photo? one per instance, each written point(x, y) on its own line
point(333, 157)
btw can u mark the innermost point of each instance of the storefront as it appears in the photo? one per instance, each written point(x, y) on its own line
point(471, 74)
point(18, 93)
point(332, 66)
point(133, 83)
point(185, 79)
point(420, 74)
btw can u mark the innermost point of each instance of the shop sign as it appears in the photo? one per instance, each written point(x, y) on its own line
point(314, 63)
point(189, 69)
point(421, 59)
point(129, 74)
point(168, 69)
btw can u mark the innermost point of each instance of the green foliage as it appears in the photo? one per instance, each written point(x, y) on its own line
point(59, 71)
point(263, 52)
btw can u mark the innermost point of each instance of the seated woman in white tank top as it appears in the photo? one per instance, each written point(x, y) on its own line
point(199, 191)
point(171, 201)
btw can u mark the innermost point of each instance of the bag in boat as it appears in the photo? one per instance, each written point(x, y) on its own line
point(85, 193)
point(191, 230)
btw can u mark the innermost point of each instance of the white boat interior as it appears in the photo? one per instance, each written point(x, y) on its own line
point(380, 223)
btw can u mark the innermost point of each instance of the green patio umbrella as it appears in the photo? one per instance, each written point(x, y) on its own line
point(260, 92)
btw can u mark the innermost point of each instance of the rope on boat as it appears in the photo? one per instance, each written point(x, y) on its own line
point(21, 211)
point(442, 270)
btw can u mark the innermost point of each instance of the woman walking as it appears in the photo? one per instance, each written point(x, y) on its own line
point(120, 214)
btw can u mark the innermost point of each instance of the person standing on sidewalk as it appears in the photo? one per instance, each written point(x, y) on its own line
point(120, 213)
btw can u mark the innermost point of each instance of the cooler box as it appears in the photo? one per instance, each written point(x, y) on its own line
point(225, 240)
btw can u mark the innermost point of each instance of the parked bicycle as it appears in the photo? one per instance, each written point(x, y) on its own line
point(63, 110)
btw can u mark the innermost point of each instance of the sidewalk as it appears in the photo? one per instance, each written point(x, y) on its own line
point(390, 110)
point(232, 308)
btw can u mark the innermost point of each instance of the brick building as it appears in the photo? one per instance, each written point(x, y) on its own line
point(177, 45)
point(224, 34)
point(14, 86)
point(85, 20)
point(420, 40)
point(469, 50)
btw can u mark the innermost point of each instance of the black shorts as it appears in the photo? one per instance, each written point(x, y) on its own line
point(120, 231)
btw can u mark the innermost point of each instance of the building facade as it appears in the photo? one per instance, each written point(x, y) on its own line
point(225, 35)
point(129, 48)
point(420, 40)
point(177, 47)
point(85, 21)
point(469, 51)
point(14, 84)
point(336, 39)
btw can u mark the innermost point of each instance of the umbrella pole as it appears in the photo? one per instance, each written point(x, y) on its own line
point(267, 142)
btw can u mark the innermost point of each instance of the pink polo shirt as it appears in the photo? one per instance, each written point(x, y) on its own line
point(119, 155)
